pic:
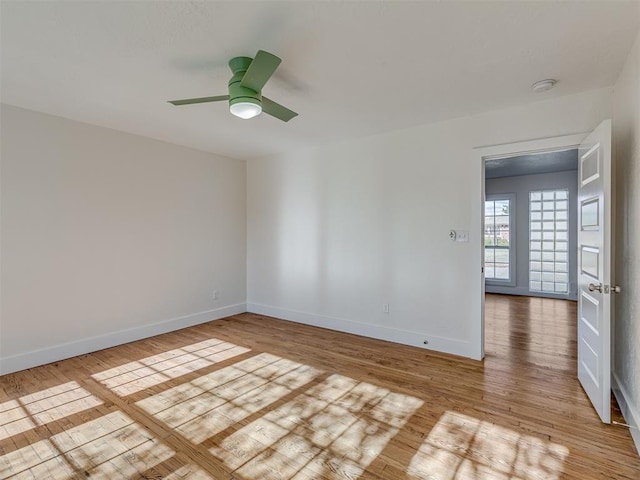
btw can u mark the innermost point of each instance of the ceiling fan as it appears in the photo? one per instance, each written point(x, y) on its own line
point(245, 88)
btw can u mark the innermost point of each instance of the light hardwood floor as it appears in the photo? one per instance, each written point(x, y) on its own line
point(252, 397)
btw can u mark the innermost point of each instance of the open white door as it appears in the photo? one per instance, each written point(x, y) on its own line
point(594, 268)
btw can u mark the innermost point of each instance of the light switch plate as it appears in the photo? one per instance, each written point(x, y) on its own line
point(462, 235)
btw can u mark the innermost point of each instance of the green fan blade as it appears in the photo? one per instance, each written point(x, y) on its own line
point(189, 101)
point(260, 70)
point(276, 110)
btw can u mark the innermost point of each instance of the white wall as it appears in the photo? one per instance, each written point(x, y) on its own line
point(108, 237)
point(337, 231)
point(626, 142)
point(521, 186)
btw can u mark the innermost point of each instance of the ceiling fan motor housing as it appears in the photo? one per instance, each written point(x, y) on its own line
point(238, 93)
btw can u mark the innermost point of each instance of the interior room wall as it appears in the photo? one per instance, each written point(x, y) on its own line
point(626, 332)
point(337, 232)
point(108, 237)
point(521, 186)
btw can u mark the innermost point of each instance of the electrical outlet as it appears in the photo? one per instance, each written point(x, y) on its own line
point(385, 308)
point(215, 294)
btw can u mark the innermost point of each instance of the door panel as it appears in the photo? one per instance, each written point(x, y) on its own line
point(590, 262)
point(590, 165)
point(590, 213)
point(594, 269)
point(590, 314)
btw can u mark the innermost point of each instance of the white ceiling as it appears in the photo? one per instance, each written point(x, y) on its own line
point(349, 68)
point(532, 164)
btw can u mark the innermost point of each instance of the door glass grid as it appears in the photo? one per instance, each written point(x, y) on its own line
point(496, 239)
point(549, 241)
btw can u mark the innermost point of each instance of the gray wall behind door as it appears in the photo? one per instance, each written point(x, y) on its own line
point(521, 186)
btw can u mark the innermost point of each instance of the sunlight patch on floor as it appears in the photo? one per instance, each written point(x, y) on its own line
point(44, 406)
point(463, 447)
point(209, 404)
point(336, 428)
point(36, 461)
point(109, 447)
point(135, 376)
point(189, 472)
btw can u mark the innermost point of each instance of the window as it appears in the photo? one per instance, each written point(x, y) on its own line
point(499, 264)
point(549, 241)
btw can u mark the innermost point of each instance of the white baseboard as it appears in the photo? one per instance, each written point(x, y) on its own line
point(405, 337)
point(58, 352)
point(525, 292)
point(629, 411)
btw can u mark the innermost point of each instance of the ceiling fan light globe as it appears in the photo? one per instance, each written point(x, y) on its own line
point(245, 110)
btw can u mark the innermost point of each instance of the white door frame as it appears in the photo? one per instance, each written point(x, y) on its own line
point(506, 150)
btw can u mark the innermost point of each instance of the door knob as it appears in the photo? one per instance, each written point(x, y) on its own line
point(593, 287)
point(616, 289)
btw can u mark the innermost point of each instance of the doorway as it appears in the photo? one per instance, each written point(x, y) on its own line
point(530, 224)
point(593, 242)
point(504, 151)
point(530, 230)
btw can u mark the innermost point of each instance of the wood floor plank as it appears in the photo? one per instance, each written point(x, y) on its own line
point(253, 397)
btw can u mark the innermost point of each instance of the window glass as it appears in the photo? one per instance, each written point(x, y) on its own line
point(497, 239)
point(548, 241)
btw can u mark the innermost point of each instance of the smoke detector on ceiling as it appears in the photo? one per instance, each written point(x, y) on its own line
point(543, 85)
